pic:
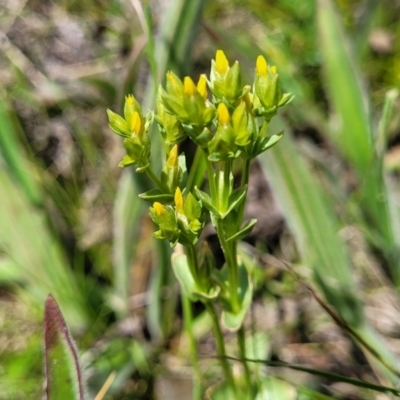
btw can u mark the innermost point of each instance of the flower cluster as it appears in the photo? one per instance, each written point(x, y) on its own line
point(230, 124)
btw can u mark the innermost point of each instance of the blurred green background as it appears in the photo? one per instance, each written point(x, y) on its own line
point(327, 196)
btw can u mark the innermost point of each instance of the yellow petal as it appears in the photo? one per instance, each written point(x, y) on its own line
point(261, 66)
point(221, 62)
point(129, 99)
point(178, 198)
point(223, 114)
point(158, 208)
point(188, 86)
point(172, 160)
point(202, 86)
point(136, 123)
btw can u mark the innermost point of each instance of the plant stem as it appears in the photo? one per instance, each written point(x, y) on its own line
point(188, 318)
point(242, 351)
point(221, 346)
point(154, 178)
point(244, 182)
point(196, 173)
point(211, 179)
point(229, 250)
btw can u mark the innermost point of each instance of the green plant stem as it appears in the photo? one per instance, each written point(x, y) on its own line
point(188, 318)
point(227, 183)
point(244, 182)
point(211, 179)
point(229, 250)
point(154, 178)
point(242, 351)
point(221, 346)
point(196, 173)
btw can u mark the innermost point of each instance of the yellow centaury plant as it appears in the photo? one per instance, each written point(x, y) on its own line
point(229, 126)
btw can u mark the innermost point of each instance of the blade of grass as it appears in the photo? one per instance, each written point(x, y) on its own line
point(352, 130)
point(27, 241)
point(14, 154)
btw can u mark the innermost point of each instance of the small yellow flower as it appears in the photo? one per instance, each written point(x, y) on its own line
point(172, 160)
point(221, 62)
point(159, 209)
point(261, 66)
point(178, 198)
point(202, 86)
point(223, 114)
point(189, 87)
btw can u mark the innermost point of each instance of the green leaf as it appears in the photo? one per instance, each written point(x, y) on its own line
point(345, 89)
point(187, 280)
point(62, 370)
point(118, 124)
point(235, 198)
point(269, 141)
point(274, 388)
point(156, 195)
point(244, 232)
point(233, 321)
point(207, 201)
point(192, 207)
point(126, 162)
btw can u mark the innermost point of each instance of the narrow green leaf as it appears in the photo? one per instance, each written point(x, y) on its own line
point(244, 232)
point(156, 195)
point(128, 209)
point(15, 155)
point(28, 242)
point(352, 130)
point(207, 202)
point(63, 373)
point(269, 141)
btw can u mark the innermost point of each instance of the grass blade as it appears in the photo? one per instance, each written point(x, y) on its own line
point(352, 132)
point(26, 240)
point(14, 155)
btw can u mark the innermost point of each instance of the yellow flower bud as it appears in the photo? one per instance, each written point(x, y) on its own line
point(172, 160)
point(159, 209)
point(178, 198)
point(129, 99)
point(223, 114)
point(202, 86)
point(188, 86)
point(247, 100)
point(261, 66)
point(221, 62)
point(273, 69)
point(136, 123)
